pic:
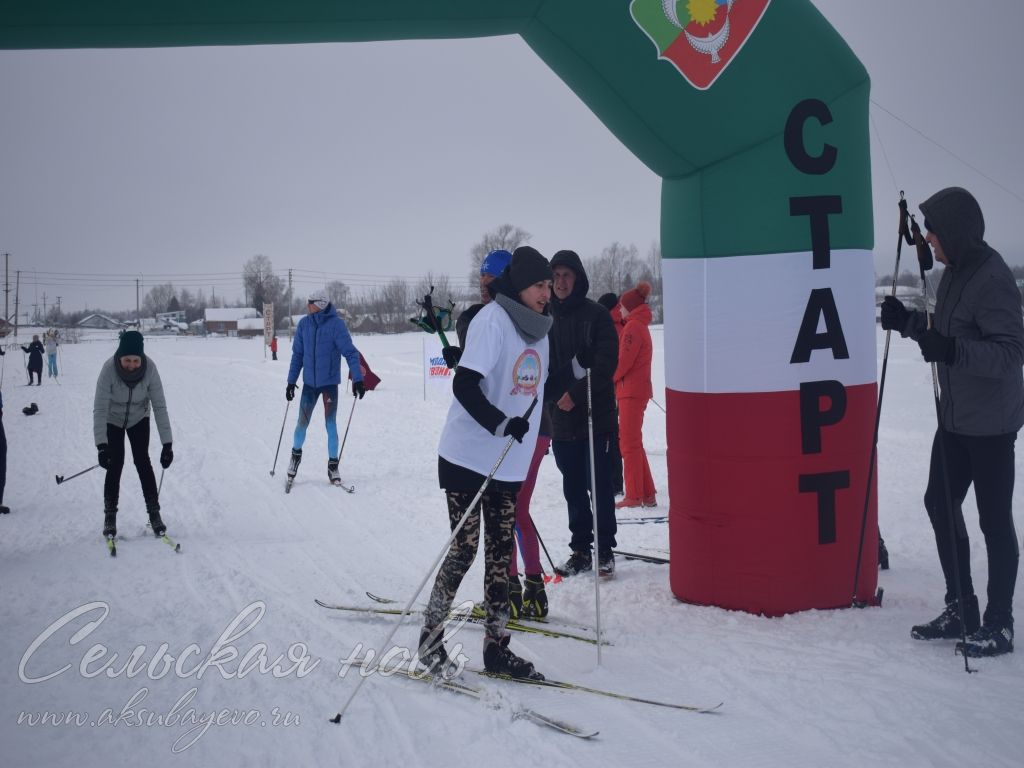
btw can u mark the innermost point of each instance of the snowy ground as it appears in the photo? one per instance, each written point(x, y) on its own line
point(838, 688)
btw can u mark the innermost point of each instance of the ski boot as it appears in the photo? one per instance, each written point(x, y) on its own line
point(109, 519)
point(332, 472)
point(499, 660)
point(515, 598)
point(432, 654)
point(606, 563)
point(989, 640)
point(535, 599)
point(293, 467)
point(153, 508)
point(578, 562)
point(946, 626)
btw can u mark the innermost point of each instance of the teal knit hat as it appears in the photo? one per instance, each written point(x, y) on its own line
point(130, 344)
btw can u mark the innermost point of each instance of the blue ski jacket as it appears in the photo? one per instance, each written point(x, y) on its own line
point(321, 340)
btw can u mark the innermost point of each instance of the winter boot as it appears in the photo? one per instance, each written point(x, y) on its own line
point(109, 519)
point(989, 640)
point(946, 626)
point(332, 472)
point(515, 598)
point(883, 555)
point(499, 660)
point(535, 599)
point(293, 465)
point(153, 508)
point(606, 563)
point(4, 510)
point(578, 562)
point(432, 653)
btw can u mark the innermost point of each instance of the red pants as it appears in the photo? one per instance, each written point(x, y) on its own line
point(525, 532)
point(636, 471)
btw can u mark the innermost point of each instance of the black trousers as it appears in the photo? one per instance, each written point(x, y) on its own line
point(3, 460)
point(988, 463)
point(138, 436)
point(573, 460)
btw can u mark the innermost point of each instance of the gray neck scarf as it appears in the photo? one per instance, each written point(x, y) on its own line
point(531, 326)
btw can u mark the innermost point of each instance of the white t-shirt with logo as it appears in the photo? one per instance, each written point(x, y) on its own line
point(513, 374)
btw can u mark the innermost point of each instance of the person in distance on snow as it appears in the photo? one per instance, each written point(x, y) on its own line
point(532, 600)
point(50, 346)
point(633, 391)
point(583, 329)
point(321, 340)
point(128, 385)
point(3, 455)
point(977, 340)
point(501, 373)
point(35, 360)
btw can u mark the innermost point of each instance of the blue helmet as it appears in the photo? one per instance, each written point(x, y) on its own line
point(495, 262)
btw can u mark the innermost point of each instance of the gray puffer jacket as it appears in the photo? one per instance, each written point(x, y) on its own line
point(123, 406)
point(978, 304)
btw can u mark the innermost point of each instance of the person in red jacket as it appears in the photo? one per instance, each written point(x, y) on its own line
point(632, 391)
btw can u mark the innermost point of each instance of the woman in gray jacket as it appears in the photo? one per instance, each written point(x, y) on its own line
point(128, 384)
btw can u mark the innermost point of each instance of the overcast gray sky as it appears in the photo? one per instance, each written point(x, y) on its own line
point(362, 161)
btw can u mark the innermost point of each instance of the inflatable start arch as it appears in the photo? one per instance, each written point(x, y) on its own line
point(755, 115)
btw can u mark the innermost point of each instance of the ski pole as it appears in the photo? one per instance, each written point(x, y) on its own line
point(278, 451)
point(62, 479)
point(161, 483)
point(344, 438)
point(437, 561)
point(658, 404)
point(902, 234)
point(593, 507)
point(924, 258)
point(556, 578)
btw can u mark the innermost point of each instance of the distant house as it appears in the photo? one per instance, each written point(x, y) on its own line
point(101, 321)
point(248, 327)
point(225, 319)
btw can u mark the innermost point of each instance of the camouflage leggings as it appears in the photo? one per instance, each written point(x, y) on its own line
point(499, 514)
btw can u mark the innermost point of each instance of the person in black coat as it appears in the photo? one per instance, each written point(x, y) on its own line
point(583, 329)
point(35, 360)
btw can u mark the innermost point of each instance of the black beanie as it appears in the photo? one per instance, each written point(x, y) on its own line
point(130, 344)
point(527, 267)
point(608, 301)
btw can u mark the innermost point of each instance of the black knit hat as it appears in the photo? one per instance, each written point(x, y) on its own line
point(130, 344)
point(527, 267)
point(608, 301)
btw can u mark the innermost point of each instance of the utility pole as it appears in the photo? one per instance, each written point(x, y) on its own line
point(17, 295)
point(58, 311)
point(7, 287)
point(44, 307)
point(290, 332)
point(138, 314)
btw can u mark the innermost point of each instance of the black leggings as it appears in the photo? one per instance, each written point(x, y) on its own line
point(138, 436)
point(988, 463)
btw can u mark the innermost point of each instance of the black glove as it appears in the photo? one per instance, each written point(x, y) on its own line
point(358, 389)
point(451, 356)
point(585, 357)
point(894, 314)
point(166, 456)
point(936, 348)
point(289, 392)
point(517, 427)
point(103, 455)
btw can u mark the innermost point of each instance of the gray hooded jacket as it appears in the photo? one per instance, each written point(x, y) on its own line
point(978, 304)
point(123, 406)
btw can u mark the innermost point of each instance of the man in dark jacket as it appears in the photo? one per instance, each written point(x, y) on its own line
point(977, 340)
point(35, 360)
point(583, 329)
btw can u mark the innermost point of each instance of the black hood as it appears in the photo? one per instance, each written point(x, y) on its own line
point(581, 287)
point(955, 218)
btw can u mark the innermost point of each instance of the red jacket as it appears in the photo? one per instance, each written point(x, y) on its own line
point(633, 374)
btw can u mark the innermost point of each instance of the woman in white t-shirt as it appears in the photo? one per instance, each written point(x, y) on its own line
point(501, 374)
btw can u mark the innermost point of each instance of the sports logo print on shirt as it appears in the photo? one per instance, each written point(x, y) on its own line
point(526, 374)
point(700, 37)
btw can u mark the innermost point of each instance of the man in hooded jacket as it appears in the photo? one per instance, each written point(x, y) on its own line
point(977, 341)
point(583, 329)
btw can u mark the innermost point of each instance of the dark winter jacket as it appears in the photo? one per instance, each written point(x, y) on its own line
point(124, 403)
point(580, 323)
point(35, 355)
point(978, 305)
point(321, 340)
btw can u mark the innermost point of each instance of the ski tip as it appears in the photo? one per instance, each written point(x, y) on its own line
point(177, 548)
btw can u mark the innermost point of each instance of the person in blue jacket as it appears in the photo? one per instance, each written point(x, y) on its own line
point(321, 340)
